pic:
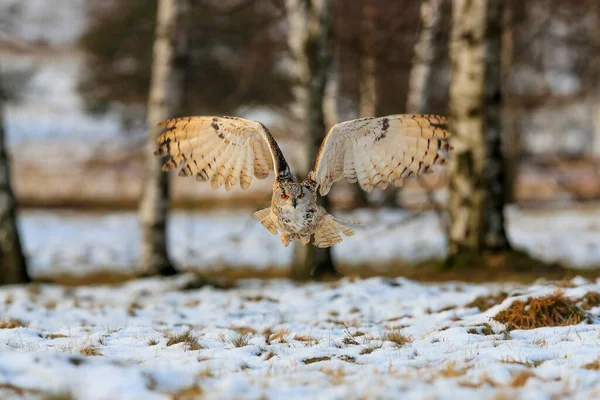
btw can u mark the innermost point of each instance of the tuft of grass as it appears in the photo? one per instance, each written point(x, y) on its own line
point(366, 350)
point(239, 340)
point(396, 336)
point(485, 329)
point(348, 359)
point(153, 342)
point(12, 323)
point(190, 393)
point(315, 360)
point(486, 302)
point(590, 300)
point(520, 379)
point(259, 298)
point(90, 350)
point(594, 365)
point(279, 335)
point(551, 310)
point(307, 339)
point(451, 370)
point(53, 336)
point(243, 330)
point(188, 337)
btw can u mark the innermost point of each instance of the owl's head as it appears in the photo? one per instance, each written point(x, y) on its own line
point(287, 193)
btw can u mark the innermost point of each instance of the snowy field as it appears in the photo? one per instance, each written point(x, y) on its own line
point(372, 339)
point(79, 243)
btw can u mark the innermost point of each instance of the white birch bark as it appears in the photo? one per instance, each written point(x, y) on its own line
point(476, 169)
point(166, 88)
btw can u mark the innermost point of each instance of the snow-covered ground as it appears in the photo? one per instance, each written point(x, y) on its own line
point(77, 243)
point(375, 338)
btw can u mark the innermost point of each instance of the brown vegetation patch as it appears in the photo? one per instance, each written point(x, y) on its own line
point(191, 393)
point(366, 350)
point(259, 298)
point(594, 365)
point(486, 302)
point(188, 337)
point(243, 330)
point(396, 336)
point(89, 350)
point(53, 336)
point(451, 370)
point(309, 340)
point(239, 340)
point(315, 360)
point(484, 329)
point(12, 323)
point(520, 379)
point(537, 312)
point(590, 300)
point(348, 359)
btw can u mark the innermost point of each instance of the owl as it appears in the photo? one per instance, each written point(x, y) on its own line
point(371, 151)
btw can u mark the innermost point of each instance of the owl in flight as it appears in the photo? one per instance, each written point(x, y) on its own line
point(371, 151)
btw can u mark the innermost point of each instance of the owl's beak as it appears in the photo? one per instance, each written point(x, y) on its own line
point(294, 202)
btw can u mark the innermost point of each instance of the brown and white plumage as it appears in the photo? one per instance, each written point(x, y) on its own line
point(379, 151)
point(371, 151)
point(222, 150)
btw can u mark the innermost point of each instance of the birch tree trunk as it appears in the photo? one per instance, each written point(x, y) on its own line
point(13, 267)
point(426, 51)
point(309, 40)
point(476, 204)
point(166, 89)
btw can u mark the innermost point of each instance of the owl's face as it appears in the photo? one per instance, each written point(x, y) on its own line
point(292, 195)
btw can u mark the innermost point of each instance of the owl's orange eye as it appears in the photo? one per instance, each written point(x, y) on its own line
point(285, 196)
point(301, 195)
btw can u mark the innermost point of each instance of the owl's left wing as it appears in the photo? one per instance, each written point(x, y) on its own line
point(222, 150)
point(379, 151)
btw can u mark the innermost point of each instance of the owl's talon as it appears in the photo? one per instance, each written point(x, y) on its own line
point(286, 239)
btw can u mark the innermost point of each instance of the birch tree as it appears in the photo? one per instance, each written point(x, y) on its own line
point(309, 40)
point(13, 266)
point(165, 98)
point(426, 51)
point(476, 203)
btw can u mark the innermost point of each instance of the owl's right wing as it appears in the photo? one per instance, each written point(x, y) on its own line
point(222, 150)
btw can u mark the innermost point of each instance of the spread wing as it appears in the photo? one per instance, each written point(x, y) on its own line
point(377, 151)
point(222, 150)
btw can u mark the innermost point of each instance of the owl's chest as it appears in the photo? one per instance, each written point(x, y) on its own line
point(293, 220)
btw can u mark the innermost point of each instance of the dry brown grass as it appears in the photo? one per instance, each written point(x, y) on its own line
point(451, 370)
point(279, 335)
point(590, 300)
point(153, 341)
point(239, 340)
point(12, 323)
point(594, 365)
point(520, 379)
point(315, 360)
point(484, 329)
point(396, 336)
point(191, 393)
point(189, 337)
point(307, 339)
point(53, 336)
point(486, 302)
point(551, 310)
point(89, 350)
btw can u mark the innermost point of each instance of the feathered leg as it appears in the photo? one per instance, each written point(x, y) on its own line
point(264, 217)
point(327, 232)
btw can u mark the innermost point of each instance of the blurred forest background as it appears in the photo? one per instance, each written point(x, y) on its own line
point(75, 82)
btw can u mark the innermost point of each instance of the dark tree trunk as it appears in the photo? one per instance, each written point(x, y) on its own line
point(166, 92)
point(13, 266)
point(309, 38)
point(476, 205)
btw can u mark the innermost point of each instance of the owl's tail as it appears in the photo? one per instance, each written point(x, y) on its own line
point(328, 231)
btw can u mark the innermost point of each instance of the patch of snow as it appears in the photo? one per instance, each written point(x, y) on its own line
point(77, 243)
point(325, 340)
